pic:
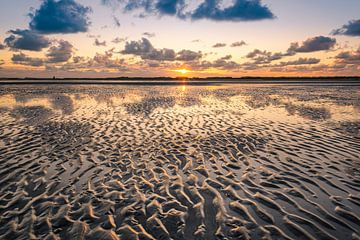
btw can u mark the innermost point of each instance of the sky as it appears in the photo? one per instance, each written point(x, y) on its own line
point(197, 38)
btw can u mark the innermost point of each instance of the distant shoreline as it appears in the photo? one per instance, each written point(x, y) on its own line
point(188, 81)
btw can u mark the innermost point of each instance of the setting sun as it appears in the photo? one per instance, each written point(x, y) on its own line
point(182, 71)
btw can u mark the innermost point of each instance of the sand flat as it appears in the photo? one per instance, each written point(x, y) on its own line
point(222, 161)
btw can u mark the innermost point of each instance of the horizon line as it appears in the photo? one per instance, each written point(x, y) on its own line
point(179, 78)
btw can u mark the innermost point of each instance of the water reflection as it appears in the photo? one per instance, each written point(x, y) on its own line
point(148, 104)
point(313, 113)
point(31, 114)
point(183, 88)
point(39, 104)
point(63, 103)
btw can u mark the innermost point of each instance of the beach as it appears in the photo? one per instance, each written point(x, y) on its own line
point(204, 161)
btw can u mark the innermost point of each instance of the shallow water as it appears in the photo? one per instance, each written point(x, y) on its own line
point(179, 162)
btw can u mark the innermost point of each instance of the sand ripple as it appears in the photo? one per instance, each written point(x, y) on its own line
point(225, 162)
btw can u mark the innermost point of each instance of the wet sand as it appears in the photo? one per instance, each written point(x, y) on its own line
point(179, 162)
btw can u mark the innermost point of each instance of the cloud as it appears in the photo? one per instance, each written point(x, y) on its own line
point(238, 44)
point(349, 57)
point(105, 60)
point(60, 16)
point(26, 40)
point(2, 47)
point(241, 10)
point(262, 57)
point(145, 50)
point(116, 21)
point(118, 40)
point(148, 34)
point(93, 36)
point(101, 62)
point(300, 61)
point(140, 47)
point(169, 7)
point(352, 28)
point(60, 53)
point(314, 44)
point(220, 63)
point(130, 5)
point(188, 55)
point(99, 44)
point(23, 59)
point(219, 45)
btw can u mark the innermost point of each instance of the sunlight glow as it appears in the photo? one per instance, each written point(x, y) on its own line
point(182, 71)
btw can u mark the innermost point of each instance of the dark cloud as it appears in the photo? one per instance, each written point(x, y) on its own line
point(60, 16)
point(148, 34)
point(349, 57)
point(153, 64)
point(314, 44)
point(23, 59)
point(238, 44)
point(352, 28)
point(26, 40)
point(116, 21)
point(118, 40)
point(241, 10)
point(227, 57)
point(250, 66)
point(101, 62)
point(300, 61)
point(2, 47)
point(188, 55)
point(329, 69)
point(169, 7)
point(99, 44)
point(130, 5)
point(262, 57)
point(78, 59)
point(60, 53)
point(93, 36)
point(219, 45)
point(145, 50)
point(139, 48)
point(110, 3)
point(107, 61)
point(164, 54)
point(223, 63)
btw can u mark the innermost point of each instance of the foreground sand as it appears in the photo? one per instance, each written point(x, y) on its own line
point(161, 162)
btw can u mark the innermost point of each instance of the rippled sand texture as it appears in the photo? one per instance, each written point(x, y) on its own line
point(210, 162)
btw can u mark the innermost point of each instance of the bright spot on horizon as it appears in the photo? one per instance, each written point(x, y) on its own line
point(182, 71)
